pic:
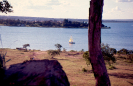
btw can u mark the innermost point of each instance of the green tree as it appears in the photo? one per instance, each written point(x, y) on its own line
point(113, 50)
point(58, 46)
point(123, 51)
point(5, 7)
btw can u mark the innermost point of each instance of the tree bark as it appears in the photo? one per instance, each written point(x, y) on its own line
point(94, 36)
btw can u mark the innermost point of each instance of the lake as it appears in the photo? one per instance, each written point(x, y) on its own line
point(119, 36)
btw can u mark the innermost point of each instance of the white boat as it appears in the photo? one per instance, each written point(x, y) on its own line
point(71, 40)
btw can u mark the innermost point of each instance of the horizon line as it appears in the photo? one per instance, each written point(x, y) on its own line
point(59, 18)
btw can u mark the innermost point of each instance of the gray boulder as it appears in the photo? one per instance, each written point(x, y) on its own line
point(36, 72)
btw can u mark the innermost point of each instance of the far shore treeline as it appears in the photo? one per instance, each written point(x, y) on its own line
point(49, 23)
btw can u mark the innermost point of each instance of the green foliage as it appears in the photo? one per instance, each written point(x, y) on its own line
point(84, 70)
point(74, 24)
point(130, 51)
point(50, 23)
point(72, 51)
point(111, 67)
point(5, 7)
point(53, 52)
point(127, 58)
point(126, 55)
point(123, 51)
point(130, 58)
point(113, 50)
point(86, 57)
point(58, 46)
point(2, 59)
point(107, 53)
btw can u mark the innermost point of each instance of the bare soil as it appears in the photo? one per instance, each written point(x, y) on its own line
point(73, 63)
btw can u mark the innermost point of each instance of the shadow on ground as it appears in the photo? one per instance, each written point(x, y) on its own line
point(122, 75)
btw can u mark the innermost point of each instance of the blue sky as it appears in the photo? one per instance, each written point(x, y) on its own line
point(78, 9)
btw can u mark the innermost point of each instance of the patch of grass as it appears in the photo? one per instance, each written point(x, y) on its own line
point(75, 67)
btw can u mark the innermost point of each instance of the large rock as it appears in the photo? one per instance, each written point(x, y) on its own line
point(36, 72)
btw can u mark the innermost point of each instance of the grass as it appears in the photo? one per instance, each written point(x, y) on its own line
point(73, 64)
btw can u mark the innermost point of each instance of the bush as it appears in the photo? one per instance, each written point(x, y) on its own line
point(86, 57)
point(111, 67)
point(72, 51)
point(125, 54)
point(123, 51)
point(84, 70)
point(130, 58)
point(2, 59)
point(130, 51)
point(53, 52)
point(113, 51)
point(107, 53)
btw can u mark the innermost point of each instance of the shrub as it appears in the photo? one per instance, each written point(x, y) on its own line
point(123, 51)
point(130, 51)
point(113, 51)
point(130, 58)
point(2, 59)
point(84, 70)
point(86, 57)
point(127, 55)
point(107, 53)
point(72, 51)
point(111, 67)
point(53, 52)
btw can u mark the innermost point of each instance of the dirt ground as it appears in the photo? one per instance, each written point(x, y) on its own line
point(73, 63)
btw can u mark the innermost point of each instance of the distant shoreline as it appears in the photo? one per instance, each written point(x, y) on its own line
point(58, 27)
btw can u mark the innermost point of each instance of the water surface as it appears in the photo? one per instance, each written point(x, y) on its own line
point(40, 38)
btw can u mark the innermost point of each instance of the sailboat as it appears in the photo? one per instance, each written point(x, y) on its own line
point(71, 40)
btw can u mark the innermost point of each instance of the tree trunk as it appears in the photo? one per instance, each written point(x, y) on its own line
point(94, 36)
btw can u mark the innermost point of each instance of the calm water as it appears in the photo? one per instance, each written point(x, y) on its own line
point(119, 36)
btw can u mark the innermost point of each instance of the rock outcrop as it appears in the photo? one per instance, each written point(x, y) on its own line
point(36, 72)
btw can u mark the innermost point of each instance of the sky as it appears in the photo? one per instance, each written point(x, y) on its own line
point(77, 9)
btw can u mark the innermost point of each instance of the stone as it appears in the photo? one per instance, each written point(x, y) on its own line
point(36, 72)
